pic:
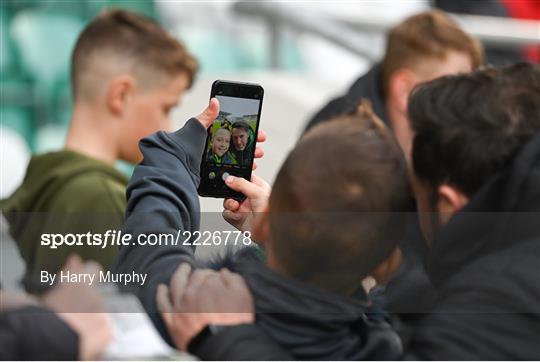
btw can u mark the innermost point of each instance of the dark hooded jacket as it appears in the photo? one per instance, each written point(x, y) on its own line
point(64, 192)
point(485, 268)
point(307, 322)
point(369, 86)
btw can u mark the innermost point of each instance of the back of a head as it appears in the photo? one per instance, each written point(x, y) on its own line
point(469, 127)
point(431, 34)
point(119, 41)
point(336, 208)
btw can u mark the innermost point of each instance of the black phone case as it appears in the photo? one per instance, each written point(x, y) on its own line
point(228, 193)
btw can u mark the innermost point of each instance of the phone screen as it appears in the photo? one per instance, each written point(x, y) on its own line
point(231, 140)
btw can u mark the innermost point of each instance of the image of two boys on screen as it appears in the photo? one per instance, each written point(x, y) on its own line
point(233, 132)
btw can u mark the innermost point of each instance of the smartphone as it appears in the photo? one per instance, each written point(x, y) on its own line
point(231, 139)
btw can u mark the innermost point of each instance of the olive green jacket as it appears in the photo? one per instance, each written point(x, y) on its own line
point(65, 192)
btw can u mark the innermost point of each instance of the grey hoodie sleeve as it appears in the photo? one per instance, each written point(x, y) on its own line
point(162, 198)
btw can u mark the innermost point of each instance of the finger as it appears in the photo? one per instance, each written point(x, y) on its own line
point(92, 267)
point(261, 136)
point(73, 262)
point(259, 152)
point(255, 166)
point(213, 282)
point(197, 279)
point(225, 275)
point(238, 285)
point(178, 283)
point(163, 303)
point(232, 217)
point(163, 299)
point(210, 113)
point(249, 189)
point(261, 183)
point(229, 276)
point(232, 280)
point(231, 204)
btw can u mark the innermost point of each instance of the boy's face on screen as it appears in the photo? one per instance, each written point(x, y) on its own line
point(221, 142)
point(149, 112)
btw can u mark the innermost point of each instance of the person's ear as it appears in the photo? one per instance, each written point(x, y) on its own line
point(261, 226)
point(388, 267)
point(449, 201)
point(119, 93)
point(400, 85)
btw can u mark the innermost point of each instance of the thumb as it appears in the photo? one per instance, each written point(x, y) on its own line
point(249, 189)
point(210, 113)
point(73, 263)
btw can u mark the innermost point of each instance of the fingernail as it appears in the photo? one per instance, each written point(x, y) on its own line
point(229, 179)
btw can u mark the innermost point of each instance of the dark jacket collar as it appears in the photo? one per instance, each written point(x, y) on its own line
point(315, 324)
point(370, 86)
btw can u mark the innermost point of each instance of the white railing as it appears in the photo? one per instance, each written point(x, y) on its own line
point(345, 30)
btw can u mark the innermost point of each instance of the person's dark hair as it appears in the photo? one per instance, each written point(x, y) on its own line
point(336, 207)
point(134, 39)
point(469, 127)
point(242, 125)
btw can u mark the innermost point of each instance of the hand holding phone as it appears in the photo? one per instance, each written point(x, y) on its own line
point(242, 214)
point(232, 137)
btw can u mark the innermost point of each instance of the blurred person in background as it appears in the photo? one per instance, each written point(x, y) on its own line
point(66, 323)
point(422, 47)
point(127, 73)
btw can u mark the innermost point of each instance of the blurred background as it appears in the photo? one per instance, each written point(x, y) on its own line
point(302, 53)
